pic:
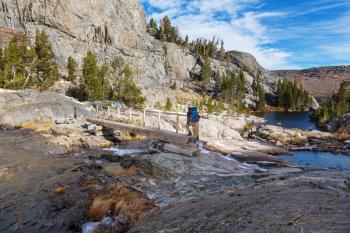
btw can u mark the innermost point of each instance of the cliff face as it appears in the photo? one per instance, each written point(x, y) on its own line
point(113, 28)
point(318, 81)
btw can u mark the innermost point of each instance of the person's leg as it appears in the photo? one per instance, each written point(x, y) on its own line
point(196, 130)
point(188, 129)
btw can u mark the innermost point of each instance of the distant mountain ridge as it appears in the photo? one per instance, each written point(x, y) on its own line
point(319, 81)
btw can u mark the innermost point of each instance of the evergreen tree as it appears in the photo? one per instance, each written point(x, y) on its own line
point(210, 106)
point(206, 73)
point(166, 26)
point(153, 24)
point(161, 34)
point(255, 87)
point(72, 68)
point(241, 84)
point(168, 105)
point(92, 81)
point(104, 73)
point(262, 98)
point(46, 67)
point(221, 56)
point(291, 96)
point(126, 90)
point(186, 41)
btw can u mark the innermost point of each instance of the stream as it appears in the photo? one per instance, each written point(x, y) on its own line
point(309, 159)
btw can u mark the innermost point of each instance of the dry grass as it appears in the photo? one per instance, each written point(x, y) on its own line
point(39, 127)
point(342, 135)
point(90, 183)
point(105, 144)
point(62, 189)
point(123, 200)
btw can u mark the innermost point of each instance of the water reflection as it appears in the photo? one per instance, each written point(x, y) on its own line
point(323, 160)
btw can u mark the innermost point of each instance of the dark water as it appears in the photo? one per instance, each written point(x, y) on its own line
point(323, 160)
point(289, 120)
point(301, 120)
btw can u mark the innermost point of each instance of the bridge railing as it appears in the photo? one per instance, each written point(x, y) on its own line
point(130, 114)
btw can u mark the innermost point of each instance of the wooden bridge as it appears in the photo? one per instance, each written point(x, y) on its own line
point(174, 142)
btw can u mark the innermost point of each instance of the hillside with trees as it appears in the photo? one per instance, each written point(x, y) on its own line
point(23, 66)
point(292, 96)
point(28, 67)
point(335, 106)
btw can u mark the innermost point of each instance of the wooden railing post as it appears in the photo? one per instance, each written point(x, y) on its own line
point(159, 119)
point(109, 111)
point(144, 118)
point(130, 115)
point(118, 113)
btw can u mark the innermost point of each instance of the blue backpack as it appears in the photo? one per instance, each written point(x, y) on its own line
point(194, 115)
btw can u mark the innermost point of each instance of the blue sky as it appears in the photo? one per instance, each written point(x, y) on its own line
point(281, 34)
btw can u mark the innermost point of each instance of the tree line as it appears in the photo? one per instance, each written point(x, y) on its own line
point(23, 66)
point(201, 47)
point(335, 106)
point(292, 96)
point(105, 82)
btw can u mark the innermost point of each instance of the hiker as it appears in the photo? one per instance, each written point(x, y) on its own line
point(193, 118)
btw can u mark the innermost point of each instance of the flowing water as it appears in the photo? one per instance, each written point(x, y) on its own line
point(312, 159)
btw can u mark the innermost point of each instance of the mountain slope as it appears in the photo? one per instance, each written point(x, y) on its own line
point(318, 81)
point(117, 28)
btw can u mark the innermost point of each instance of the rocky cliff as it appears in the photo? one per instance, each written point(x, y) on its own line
point(318, 81)
point(116, 28)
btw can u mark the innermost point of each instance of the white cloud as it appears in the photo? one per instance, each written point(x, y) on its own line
point(240, 31)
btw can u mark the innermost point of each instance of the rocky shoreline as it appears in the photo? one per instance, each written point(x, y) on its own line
point(87, 190)
point(62, 174)
point(299, 140)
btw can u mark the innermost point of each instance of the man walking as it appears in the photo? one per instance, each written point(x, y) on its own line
point(193, 118)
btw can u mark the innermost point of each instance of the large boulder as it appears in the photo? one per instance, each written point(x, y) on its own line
point(20, 107)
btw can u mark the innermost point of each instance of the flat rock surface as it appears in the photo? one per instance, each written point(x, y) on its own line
point(46, 193)
point(311, 202)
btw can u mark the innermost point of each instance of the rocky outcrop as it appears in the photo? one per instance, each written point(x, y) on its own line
point(6, 34)
point(58, 119)
point(19, 107)
point(319, 81)
point(249, 64)
point(295, 139)
point(284, 203)
point(344, 124)
point(117, 28)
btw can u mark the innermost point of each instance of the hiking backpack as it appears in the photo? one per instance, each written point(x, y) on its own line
point(194, 115)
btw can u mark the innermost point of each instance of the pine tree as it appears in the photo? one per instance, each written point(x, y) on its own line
point(186, 41)
point(167, 27)
point(262, 98)
point(222, 51)
point(206, 73)
point(103, 76)
point(161, 34)
point(126, 90)
point(241, 84)
point(255, 87)
point(46, 67)
point(168, 105)
point(153, 24)
point(72, 68)
point(210, 106)
point(91, 78)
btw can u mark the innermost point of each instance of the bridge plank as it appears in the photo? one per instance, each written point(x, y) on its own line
point(162, 135)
